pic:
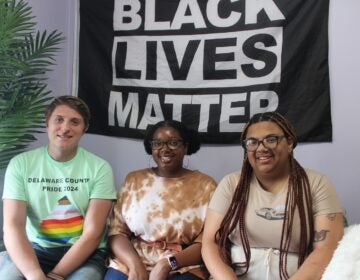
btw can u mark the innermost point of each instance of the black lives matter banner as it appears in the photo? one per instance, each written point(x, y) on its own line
point(211, 64)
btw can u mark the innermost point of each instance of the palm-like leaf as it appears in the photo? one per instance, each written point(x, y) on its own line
point(25, 57)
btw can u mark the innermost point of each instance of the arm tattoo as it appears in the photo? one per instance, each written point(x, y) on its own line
point(331, 216)
point(320, 235)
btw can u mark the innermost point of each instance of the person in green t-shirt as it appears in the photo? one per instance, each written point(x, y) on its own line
point(56, 202)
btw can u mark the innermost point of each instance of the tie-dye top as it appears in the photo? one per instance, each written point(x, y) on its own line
point(156, 208)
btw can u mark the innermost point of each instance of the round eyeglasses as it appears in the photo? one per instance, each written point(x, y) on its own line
point(172, 144)
point(269, 142)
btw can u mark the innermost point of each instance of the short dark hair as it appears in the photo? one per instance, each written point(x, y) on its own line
point(74, 103)
point(191, 137)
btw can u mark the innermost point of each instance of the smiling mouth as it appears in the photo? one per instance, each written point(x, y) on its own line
point(64, 136)
point(263, 157)
point(166, 159)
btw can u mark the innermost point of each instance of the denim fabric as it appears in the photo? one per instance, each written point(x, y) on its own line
point(113, 274)
point(8, 270)
point(94, 268)
point(184, 276)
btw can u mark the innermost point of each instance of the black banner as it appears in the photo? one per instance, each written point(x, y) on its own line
point(211, 64)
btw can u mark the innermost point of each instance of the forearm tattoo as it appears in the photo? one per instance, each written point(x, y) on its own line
point(320, 235)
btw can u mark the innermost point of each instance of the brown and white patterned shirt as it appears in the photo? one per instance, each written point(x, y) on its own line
point(154, 208)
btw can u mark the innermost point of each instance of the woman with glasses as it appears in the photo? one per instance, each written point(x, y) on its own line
point(274, 219)
point(156, 226)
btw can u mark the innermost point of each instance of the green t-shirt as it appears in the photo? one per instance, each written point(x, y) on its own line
point(57, 194)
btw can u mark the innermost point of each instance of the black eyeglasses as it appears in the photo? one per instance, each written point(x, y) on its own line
point(269, 142)
point(172, 144)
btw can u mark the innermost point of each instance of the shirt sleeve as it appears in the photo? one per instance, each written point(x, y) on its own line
point(14, 184)
point(104, 183)
point(221, 200)
point(117, 222)
point(325, 198)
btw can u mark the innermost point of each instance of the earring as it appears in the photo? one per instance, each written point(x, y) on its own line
point(186, 165)
point(149, 162)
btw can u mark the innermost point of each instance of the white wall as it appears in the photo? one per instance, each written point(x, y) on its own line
point(339, 159)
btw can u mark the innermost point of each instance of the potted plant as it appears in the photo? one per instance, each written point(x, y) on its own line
point(25, 57)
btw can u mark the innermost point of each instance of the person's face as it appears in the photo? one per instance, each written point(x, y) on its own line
point(169, 161)
point(269, 161)
point(65, 128)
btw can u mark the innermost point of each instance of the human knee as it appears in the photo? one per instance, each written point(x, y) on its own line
point(8, 269)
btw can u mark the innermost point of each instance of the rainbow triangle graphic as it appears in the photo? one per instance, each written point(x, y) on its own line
point(64, 223)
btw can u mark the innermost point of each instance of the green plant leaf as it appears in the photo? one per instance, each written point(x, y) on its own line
point(26, 55)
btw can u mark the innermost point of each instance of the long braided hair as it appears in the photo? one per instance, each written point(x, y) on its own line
point(298, 197)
